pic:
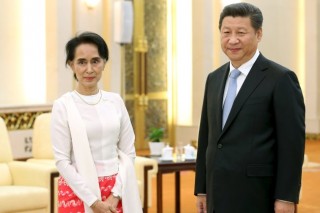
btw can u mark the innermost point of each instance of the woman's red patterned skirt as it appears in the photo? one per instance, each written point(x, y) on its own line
point(68, 202)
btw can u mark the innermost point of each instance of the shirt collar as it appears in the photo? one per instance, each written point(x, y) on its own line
point(246, 67)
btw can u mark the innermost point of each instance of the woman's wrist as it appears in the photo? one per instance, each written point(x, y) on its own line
point(95, 204)
point(115, 195)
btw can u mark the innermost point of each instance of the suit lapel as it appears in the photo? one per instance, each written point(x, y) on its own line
point(254, 78)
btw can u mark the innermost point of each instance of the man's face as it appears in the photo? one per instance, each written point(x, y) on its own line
point(239, 40)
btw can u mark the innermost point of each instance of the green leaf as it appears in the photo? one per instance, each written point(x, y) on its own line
point(156, 134)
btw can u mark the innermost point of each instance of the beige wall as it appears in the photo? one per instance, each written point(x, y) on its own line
point(64, 18)
point(9, 53)
point(59, 30)
point(203, 63)
point(281, 43)
point(312, 76)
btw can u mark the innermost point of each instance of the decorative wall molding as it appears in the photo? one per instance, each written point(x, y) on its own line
point(22, 117)
point(313, 136)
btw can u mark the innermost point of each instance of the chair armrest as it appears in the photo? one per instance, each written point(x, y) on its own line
point(50, 162)
point(31, 174)
point(141, 162)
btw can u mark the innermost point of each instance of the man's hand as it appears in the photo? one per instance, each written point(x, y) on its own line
point(201, 204)
point(283, 207)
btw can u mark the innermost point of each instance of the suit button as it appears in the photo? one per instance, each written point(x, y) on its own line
point(220, 146)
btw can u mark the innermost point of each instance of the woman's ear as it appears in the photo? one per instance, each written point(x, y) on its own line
point(70, 64)
point(104, 64)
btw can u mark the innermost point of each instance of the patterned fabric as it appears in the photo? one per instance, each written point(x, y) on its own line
point(68, 202)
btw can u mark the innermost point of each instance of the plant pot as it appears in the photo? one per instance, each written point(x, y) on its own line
point(156, 148)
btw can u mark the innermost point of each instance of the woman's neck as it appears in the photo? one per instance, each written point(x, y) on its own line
point(88, 91)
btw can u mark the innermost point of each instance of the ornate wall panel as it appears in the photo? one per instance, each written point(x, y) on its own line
point(157, 115)
point(130, 108)
point(146, 70)
point(21, 118)
point(156, 33)
point(129, 78)
point(19, 122)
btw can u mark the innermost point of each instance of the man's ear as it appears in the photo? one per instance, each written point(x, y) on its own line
point(259, 34)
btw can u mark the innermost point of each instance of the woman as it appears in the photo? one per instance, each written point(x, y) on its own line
point(92, 137)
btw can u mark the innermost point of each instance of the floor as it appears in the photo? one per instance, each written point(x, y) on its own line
point(310, 194)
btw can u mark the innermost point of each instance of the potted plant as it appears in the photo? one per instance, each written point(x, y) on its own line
point(155, 144)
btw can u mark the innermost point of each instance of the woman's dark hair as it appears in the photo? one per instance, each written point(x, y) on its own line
point(86, 38)
point(243, 10)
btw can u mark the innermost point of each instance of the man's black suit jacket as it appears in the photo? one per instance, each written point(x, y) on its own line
point(257, 157)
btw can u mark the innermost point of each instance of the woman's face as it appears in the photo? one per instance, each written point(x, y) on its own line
point(87, 66)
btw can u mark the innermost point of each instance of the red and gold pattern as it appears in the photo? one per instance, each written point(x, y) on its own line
point(68, 202)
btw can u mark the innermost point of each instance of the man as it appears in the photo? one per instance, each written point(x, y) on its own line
point(252, 131)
